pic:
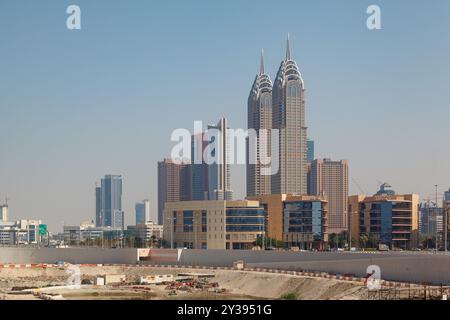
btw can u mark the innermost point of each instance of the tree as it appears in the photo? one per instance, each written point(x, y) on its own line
point(363, 240)
point(269, 242)
point(333, 241)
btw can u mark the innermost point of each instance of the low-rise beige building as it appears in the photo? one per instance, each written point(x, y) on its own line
point(214, 224)
point(389, 218)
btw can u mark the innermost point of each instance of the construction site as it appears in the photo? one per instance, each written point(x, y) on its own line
point(125, 282)
point(52, 282)
point(152, 274)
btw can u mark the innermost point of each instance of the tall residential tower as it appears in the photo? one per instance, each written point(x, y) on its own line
point(330, 178)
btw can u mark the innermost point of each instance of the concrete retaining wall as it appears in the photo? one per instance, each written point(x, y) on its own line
point(417, 267)
point(72, 255)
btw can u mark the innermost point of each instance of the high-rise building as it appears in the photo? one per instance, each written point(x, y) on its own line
point(98, 207)
point(310, 150)
point(4, 212)
point(431, 221)
point(288, 116)
point(109, 198)
point(142, 211)
point(446, 208)
point(168, 184)
point(198, 168)
point(219, 178)
point(330, 178)
point(390, 219)
point(260, 119)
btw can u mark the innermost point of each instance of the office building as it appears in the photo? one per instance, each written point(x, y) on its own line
point(198, 168)
point(145, 233)
point(109, 202)
point(431, 221)
point(288, 116)
point(330, 178)
point(446, 222)
point(20, 232)
point(142, 211)
point(296, 220)
point(310, 150)
point(89, 235)
point(4, 213)
point(98, 206)
point(390, 219)
point(219, 175)
point(173, 184)
point(214, 224)
point(259, 107)
point(305, 222)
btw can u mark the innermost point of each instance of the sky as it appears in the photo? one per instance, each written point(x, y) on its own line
point(78, 104)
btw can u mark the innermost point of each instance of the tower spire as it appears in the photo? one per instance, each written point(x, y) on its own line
point(261, 66)
point(288, 47)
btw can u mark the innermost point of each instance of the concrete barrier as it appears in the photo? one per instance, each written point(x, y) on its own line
point(12, 255)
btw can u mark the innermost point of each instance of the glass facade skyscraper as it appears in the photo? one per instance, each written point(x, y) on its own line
point(142, 212)
point(109, 203)
point(98, 207)
point(310, 150)
point(219, 175)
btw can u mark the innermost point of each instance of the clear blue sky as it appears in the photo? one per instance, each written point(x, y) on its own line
point(75, 105)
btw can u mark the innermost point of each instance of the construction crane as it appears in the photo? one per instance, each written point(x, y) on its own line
point(359, 187)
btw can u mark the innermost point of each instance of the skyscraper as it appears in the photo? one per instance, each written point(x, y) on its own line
point(109, 202)
point(446, 208)
point(288, 116)
point(4, 212)
point(142, 212)
point(173, 184)
point(330, 178)
point(259, 108)
point(431, 220)
point(198, 168)
point(219, 180)
point(310, 152)
point(98, 206)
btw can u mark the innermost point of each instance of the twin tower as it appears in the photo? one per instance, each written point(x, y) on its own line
point(281, 106)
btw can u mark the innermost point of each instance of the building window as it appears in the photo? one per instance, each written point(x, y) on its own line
point(204, 222)
point(188, 221)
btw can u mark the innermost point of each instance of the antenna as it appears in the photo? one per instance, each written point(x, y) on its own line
point(6, 200)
